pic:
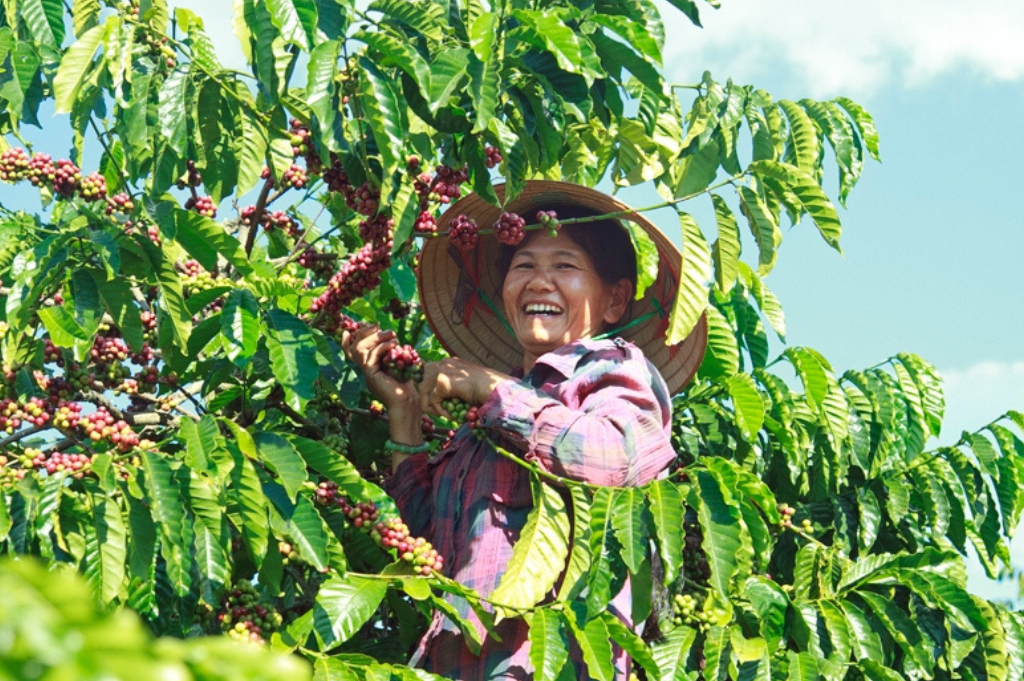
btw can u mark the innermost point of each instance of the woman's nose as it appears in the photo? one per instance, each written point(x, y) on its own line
point(540, 280)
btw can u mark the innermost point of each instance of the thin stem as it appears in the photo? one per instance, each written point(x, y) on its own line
point(22, 434)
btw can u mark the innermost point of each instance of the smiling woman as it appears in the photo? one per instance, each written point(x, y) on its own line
point(549, 347)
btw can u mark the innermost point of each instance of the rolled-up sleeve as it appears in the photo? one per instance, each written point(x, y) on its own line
point(608, 425)
point(411, 488)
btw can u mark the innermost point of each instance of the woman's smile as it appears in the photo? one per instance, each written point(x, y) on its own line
point(553, 295)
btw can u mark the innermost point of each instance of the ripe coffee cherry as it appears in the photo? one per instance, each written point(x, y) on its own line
point(320, 264)
point(398, 309)
point(120, 203)
point(14, 165)
point(41, 170)
point(365, 200)
point(549, 219)
point(392, 533)
point(403, 364)
point(463, 232)
point(202, 205)
point(445, 186)
point(66, 178)
point(376, 409)
point(93, 187)
point(493, 156)
point(510, 229)
point(280, 220)
point(426, 223)
point(378, 227)
point(362, 514)
point(412, 162)
point(295, 176)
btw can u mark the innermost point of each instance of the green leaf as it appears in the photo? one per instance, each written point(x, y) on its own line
point(672, 653)
point(405, 211)
point(401, 54)
point(447, 72)
point(254, 141)
point(865, 124)
point(201, 443)
point(305, 528)
point(64, 330)
point(748, 404)
point(629, 526)
point(647, 258)
point(802, 667)
point(427, 18)
point(384, 112)
point(105, 560)
point(549, 646)
point(695, 271)
point(722, 355)
point(763, 226)
point(594, 642)
point(343, 605)
point(171, 297)
point(866, 643)
point(726, 249)
point(73, 68)
point(667, 508)
point(803, 137)
point(614, 54)
point(295, 19)
point(484, 86)
point(281, 457)
point(240, 325)
point(168, 512)
point(249, 500)
point(204, 239)
point(538, 557)
point(720, 523)
point(635, 647)
point(546, 29)
point(580, 559)
point(337, 469)
point(292, 357)
point(810, 195)
point(172, 112)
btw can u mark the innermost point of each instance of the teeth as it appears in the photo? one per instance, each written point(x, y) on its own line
point(541, 308)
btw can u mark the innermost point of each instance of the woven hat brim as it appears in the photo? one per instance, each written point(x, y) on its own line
point(478, 335)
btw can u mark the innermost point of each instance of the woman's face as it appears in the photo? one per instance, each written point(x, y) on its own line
point(553, 296)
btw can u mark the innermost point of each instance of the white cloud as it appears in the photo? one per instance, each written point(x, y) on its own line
point(830, 47)
point(980, 393)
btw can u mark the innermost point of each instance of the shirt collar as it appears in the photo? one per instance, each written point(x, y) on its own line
point(565, 359)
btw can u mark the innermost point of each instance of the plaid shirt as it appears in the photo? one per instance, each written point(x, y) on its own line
point(594, 411)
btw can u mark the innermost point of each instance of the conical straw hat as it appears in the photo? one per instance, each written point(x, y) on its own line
point(461, 292)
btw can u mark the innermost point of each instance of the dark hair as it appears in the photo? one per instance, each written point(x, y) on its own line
point(605, 241)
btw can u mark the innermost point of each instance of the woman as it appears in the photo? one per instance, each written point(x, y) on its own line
point(548, 385)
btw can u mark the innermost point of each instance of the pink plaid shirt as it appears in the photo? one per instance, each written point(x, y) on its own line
point(594, 411)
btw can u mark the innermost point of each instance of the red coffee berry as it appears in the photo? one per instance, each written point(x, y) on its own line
point(93, 187)
point(493, 156)
point(14, 165)
point(66, 178)
point(403, 363)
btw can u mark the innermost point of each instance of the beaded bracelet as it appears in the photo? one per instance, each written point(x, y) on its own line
point(392, 446)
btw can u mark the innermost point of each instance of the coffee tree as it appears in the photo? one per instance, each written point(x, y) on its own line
point(178, 424)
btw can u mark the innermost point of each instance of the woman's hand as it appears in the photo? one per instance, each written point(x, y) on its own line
point(455, 377)
point(366, 348)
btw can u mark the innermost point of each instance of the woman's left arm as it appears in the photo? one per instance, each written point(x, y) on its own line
point(611, 426)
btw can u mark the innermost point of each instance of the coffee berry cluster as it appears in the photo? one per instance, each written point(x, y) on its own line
point(510, 229)
point(392, 533)
point(359, 274)
point(242, 616)
point(403, 363)
point(101, 426)
point(462, 412)
point(691, 610)
point(361, 514)
point(463, 232)
point(787, 512)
